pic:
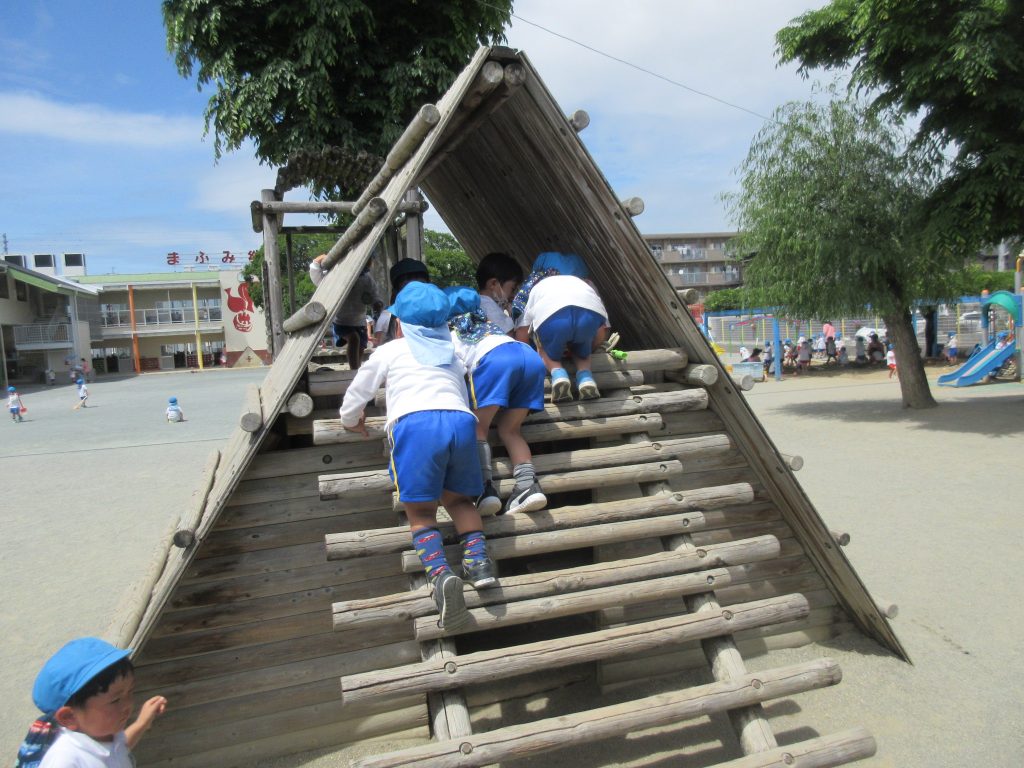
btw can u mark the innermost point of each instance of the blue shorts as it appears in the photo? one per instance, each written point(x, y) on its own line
point(341, 331)
point(432, 451)
point(572, 327)
point(510, 376)
point(15, 409)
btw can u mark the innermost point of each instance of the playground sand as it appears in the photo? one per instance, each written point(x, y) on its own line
point(932, 502)
point(924, 495)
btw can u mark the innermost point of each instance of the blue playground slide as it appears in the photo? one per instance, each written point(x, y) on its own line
point(986, 361)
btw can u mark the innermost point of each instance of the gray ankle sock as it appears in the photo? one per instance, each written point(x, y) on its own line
point(483, 450)
point(524, 475)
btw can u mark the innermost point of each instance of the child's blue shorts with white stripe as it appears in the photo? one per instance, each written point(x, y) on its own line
point(510, 376)
point(432, 451)
point(574, 327)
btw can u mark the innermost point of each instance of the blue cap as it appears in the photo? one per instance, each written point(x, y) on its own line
point(1002, 335)
point(80, 381)
point(951, 334)
point(70, 668)
point(172, 400)
point(421, 304)
point(564, 263)
point(463, 299)
point(892, 346)
point(11, 389)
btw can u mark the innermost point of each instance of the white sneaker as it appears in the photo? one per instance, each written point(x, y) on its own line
point(531, 499)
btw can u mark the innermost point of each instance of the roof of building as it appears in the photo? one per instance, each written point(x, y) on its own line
point(45, 281)
point(163, 278)
point(689, 235)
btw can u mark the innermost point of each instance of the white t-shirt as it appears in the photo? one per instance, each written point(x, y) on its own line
point(496, 314)
point(174, 413)
point(14, 401)
point(553, 293)
point(83, 391)
point(76, 750)
point(890, 358)
point(411, 386)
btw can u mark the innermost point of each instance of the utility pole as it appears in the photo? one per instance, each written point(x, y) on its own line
point(5, 243)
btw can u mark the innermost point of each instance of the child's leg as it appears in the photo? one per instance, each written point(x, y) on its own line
point(590, 331)
point(477, 567)
point(553, 336)
point(353, 350)
point(488, 503)
point(527, 495)
point(429, 546)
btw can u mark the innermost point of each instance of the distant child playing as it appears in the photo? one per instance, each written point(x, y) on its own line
point(890, 360)
point(14, 404)
point(559, 305)
point(506, 382)
point(432, 433)
point(85, 692)
point(83, 394)
point(174, 412)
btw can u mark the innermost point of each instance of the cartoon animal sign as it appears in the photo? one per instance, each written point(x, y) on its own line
point(242, 306)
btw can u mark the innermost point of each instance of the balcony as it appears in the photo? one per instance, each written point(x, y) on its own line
point(159, 322)
point(39, 336)
point(706, 278)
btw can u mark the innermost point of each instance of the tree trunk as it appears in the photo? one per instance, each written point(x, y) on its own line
point(913, 382)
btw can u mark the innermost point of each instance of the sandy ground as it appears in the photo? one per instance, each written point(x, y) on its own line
point(931, 499)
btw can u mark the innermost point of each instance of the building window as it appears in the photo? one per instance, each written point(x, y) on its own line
point(20, 290)
point(5, 289)
point(43, 260)
point(73, 260)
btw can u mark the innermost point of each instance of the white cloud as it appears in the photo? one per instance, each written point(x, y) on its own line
point(35, 115)
point(235, 181)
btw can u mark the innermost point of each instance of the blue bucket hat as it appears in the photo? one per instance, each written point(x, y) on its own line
point(172, 400)
point(70, 668)
point(80, 381)
point(463, 299)
point(563, 263)
point(421, 304)
point(11, 389)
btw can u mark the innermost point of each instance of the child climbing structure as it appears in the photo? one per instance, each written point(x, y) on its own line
point(290, 613)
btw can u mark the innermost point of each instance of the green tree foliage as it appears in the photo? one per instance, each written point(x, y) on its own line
point(726, 298)
point(829, 202)
point(447, 260)
point(957, 63)
point(298, 75)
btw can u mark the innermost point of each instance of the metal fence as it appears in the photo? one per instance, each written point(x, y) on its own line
point(164, 316)
point(42, 333)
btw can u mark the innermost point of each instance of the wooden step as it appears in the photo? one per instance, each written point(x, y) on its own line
point(548, 654)
point(718, 563)
point(618, 720)
point(365, 482)
point(381, 541)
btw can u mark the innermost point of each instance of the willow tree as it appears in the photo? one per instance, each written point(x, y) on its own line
point(831, 201)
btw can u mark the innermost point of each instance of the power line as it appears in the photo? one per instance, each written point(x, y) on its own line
point(637, 67)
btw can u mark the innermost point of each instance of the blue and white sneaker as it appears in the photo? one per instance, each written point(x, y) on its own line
point(561, 387)
point(587, 386)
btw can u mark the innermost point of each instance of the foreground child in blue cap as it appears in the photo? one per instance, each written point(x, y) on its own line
point(432, 433)
point(560, 306)
point(85, 693)
point(506, 382)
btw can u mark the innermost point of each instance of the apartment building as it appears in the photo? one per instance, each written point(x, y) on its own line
point(697, 260)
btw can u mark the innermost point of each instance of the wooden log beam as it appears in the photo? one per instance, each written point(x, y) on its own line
point(252, 410)
point(300, 405)
point(644, 360)
point(842, 538)
point(651, 402)
point(822, 752)
point(185, 535)
point(311, 313)
point(886, 608)
point(590, 646)
point(491, 75)
point(618, 720)
point(579, 120)
point(342, 546)
point(744, 382)
point(422, 124)
point(689, 295)
point(735, 556)
point(368, 216)
point(698, 375)
point(634, 206)
point(796, 463)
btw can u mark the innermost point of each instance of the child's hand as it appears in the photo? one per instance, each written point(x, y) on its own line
point(359, 428)
point(151, 710)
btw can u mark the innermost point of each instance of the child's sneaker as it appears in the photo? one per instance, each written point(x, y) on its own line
point(528, 499)
point(587, 386)
point(481, 573)
point(488, 502)
point(561, 388)
point(451, 605)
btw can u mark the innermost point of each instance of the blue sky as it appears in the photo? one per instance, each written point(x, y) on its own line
point(103, 148)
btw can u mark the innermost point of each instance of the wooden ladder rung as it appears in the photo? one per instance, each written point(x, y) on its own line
point(591, 646)
point(403, 606)
point(617, 720)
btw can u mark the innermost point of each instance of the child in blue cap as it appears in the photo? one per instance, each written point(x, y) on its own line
point(432, 433)
point(506, 382)
point(560, 306)
point(83, 394)
point(174, 412)
point(14, 404)
point(85, 692)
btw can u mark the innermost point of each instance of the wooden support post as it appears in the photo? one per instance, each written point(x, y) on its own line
point(272, 259)
point(842, 538)
point(744, 382)
point(413, 229)
point(252, 410)
point(185, 535)
point(634, 206)
point(579, 120)
point(291, 271)
point(795, 463)
point(690, 296)
point(311, 313)
point(698, 375)
point(407, 143)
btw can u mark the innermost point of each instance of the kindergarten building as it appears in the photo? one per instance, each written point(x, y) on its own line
point(195, 318)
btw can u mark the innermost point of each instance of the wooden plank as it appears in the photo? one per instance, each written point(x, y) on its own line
point(303, 532)
point(591, 646)
point(613, 721)
point(251, 419)
point(282, 559)
point(823, 752)
point(407, 605)
point(302, 510)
